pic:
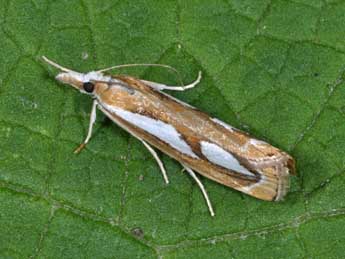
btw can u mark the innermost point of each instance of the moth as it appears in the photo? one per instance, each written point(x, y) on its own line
point(199, 142)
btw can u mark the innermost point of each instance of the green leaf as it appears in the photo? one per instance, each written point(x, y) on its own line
point(272, 68)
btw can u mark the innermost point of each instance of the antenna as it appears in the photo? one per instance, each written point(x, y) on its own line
point(56, 65)
point(145, 65)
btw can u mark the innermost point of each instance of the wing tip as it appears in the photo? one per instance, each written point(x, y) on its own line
point(275, 182)
point(283, 185)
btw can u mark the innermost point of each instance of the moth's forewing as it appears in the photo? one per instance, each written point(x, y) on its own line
point(207, 145)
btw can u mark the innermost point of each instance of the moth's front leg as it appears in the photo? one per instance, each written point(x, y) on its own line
point(89, 133)
point(159, 86)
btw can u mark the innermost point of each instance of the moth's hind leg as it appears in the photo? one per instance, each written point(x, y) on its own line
point(202, 188)
point(159, 86)
point(89, 133)
point(159, 162)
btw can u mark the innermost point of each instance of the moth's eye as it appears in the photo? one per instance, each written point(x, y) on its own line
point(88, 87)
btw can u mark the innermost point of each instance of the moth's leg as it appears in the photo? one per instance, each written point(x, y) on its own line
point(89, 133)
point(202, 188)
point(159, 86)
point(159, 162)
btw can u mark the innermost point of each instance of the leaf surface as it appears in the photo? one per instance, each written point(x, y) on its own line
point(272, 68)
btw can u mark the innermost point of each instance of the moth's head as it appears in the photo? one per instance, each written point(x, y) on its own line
point(85, 83)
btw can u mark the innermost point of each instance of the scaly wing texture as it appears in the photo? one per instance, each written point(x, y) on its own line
point(209, 146)
point(272, 68)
